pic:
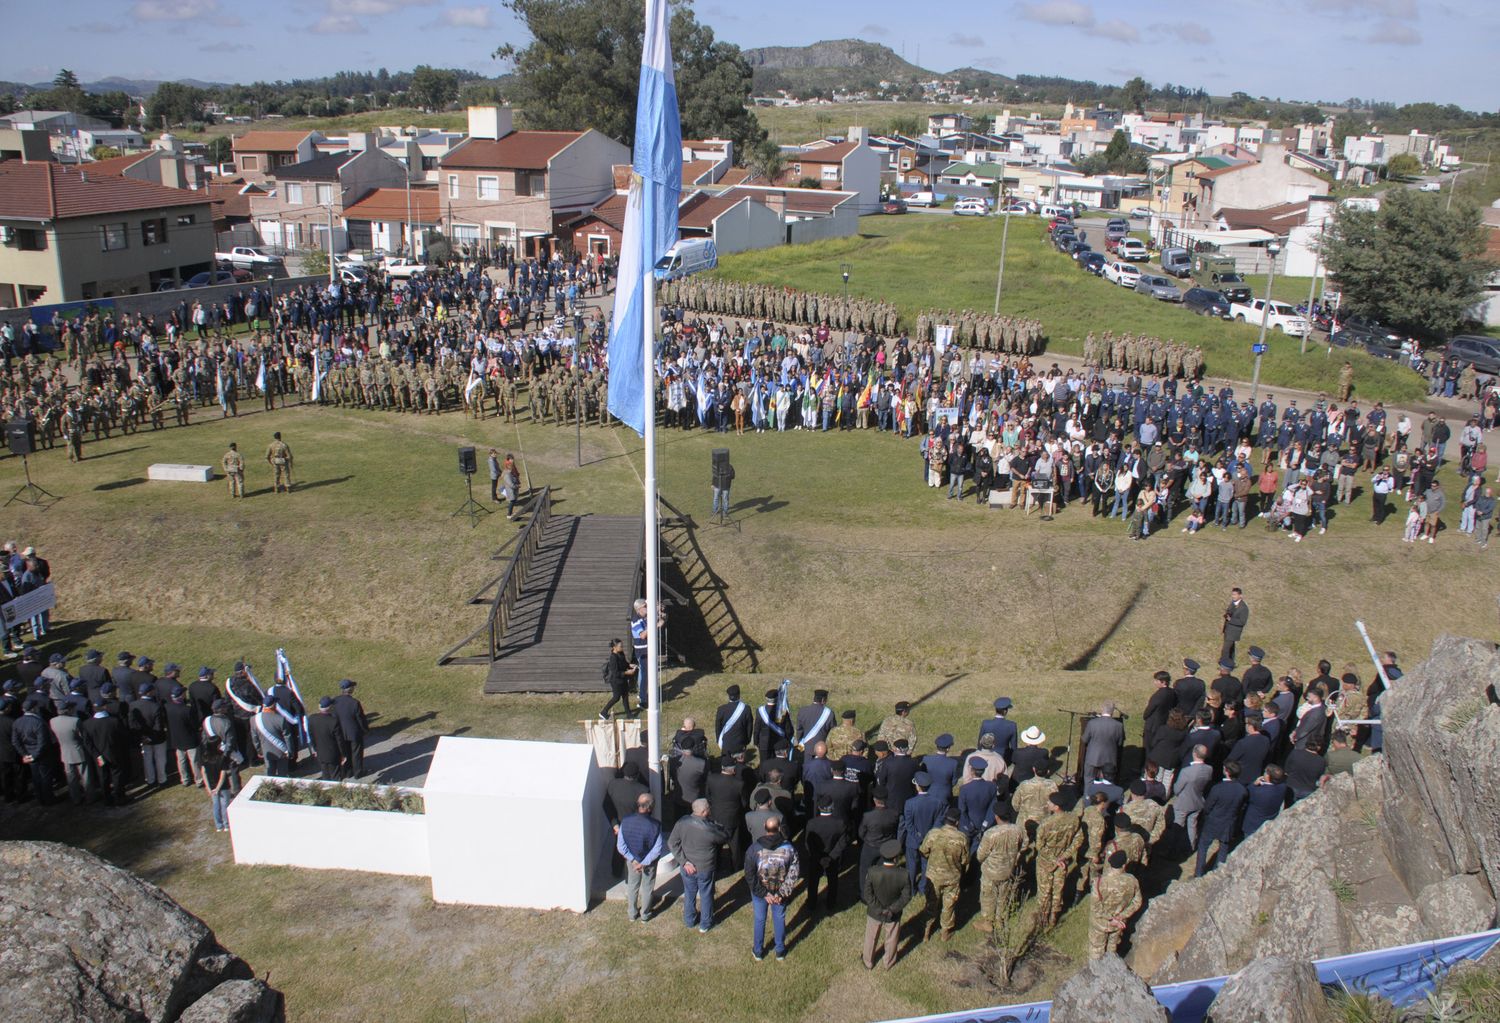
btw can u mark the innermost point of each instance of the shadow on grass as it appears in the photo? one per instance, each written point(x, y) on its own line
point(121, 484)
point(1086, 657)
point(111, 454)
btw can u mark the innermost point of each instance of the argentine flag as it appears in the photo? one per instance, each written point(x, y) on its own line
point(650, 216)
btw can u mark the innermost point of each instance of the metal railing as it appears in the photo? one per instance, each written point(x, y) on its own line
point(508, 584)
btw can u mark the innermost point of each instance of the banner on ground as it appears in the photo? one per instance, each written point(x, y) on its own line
point(28, 605)
point(1404, 975)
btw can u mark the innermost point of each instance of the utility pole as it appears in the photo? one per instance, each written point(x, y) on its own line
point(1004, 238)
point(330, 246)
point(407, 241)
point(1273, 247)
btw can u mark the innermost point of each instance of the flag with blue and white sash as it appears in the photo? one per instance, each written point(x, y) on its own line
point(650, 216)
point(284, 674)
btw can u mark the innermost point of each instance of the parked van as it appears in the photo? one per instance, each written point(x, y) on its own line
point(688, 256)
point(1052, 210)
point(921, 199)
point(1176, 261)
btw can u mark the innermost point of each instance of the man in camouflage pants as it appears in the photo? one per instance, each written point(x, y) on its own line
point(1059, 837)
point(947, 853)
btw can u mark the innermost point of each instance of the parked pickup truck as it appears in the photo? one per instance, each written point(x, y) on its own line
point(402, 268)
point(249, 258)
point(1283, 317)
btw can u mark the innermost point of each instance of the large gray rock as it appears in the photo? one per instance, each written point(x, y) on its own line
point(1105, 991)
point(1461, 904)
point(1272, 990)
point(83, 940)
point(237, 1001)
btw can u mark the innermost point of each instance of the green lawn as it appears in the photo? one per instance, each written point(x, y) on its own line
point(923, 261)
point(846, 572)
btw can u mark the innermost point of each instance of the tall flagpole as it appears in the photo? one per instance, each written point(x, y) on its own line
point(653, 561)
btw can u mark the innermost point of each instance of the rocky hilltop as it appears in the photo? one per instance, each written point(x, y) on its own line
point(83, 940)
point(1406, 849)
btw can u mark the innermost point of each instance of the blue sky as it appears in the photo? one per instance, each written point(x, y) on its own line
point(1399, 50)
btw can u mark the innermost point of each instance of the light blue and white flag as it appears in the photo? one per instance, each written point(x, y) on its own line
point(284, 674)
point(260, 378)
point(650, 217)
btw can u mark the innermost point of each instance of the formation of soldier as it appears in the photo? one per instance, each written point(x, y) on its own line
point(785, 305)
point(1007, 334)
point(1137, 353)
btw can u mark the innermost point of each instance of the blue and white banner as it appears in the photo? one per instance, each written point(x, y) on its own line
point(1404, 975)
point(284, 674)
point(650, 225)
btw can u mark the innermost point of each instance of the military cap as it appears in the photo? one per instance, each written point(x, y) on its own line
point(890, 849)
point(978, 763)
point(848, 715)
point(921, 778)
point(325, 702)
point(145, 689)
point(346, 684)
point(944, 741)
point(1191, 665)
point(1257, 654)
point(820, 695)
point(771, 696)
point(1003, 703)
point(92, 655)
point(57, 658)
point(902, 707)
point(881, 746)
point(952, 815)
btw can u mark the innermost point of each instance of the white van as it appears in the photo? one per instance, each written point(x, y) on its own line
point(921, 199)
point(1049, 211)
point(688, 256)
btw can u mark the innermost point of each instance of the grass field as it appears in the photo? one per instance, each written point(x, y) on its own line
point(847, 572)
point(923, 261)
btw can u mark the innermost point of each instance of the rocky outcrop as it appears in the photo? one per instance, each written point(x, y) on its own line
point(1105, 991)
point(1271, 990)
point(1406, 849)
point(83, 940)
point(236, 1001)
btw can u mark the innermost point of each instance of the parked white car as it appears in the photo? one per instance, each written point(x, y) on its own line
point(971, 208)
point(1430, 186)
point(921, 199)
point(402, 268)
point(1122, 273)
point(1283, 318)
point(1132, 248)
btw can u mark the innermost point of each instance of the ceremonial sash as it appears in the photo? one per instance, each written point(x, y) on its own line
point(241, 703)
point(766, 720)
point(817, 726)
point(734, 718)
point(265, 734)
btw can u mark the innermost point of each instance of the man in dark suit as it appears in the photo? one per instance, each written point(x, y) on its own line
point(942, 770)
point(817, 771)
point(203, 693)
point(726, 805)
point(976, 802)
point(1253, 750)
point(1032, 755)
point(120, 673)
point(93, 673)
point(732, 723)
point(106, 740)
point(1204, 734)
point(1313, 723)
point(143, 675)
point(1257, 678)
point(1236, 617)
point(814, 723)
point(823, 845)
point(1002, 728)
point(183, 725)
point(782, 761)
point(771, 729)
point(879, 825)
point(1163, 701)
point(327, 740)
point(896, 772)
point(1221, 815)
point(692, 773)
point(620, 794)
point(1226, 685)
point(353, 727)
point(845, 792)
point(923, 812)
point(1190, 689)
point(1103, 739)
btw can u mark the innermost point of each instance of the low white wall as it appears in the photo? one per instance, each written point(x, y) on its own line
point(325, 837)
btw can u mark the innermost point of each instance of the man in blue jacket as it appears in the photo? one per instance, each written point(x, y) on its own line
point(639, 840)
point(1221, 815)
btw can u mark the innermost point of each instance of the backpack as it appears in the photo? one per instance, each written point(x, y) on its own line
point(777, 870)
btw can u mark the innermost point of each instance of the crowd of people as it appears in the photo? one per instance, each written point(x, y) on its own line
point(809, 803)
point(112, 735)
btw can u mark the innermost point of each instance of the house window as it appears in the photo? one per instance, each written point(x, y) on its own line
point(29, 239)
point(487, 188)
point(154, 232)
point(250, 163)
point(184, 219)
point(113, 237)
point(532, 183)
point(453, 186)
point(325, 195)
point(830, 172)
point(294, 194)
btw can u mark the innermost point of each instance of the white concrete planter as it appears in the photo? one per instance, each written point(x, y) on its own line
point(325, 837)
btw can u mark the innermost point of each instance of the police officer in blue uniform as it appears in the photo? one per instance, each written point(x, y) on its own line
point(1003, 729)
point(941, 769)
point(922, 812)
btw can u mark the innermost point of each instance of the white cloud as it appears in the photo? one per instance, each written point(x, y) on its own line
point(338, 25)
point(1405, 10)
point(224, 46)
point(1116, 29)
point(965, 39)
point(1394, 33)
point(467, 17)
point(174, 10)
point(1187, 32)
point(367, 8)
point(1070, 14)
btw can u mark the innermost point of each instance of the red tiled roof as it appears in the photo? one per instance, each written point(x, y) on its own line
point(798, 200)
point(1275, 219)
point(700, 215)
point(1219, 171)
point(520, 150)
point(611, 211)
point(115, 164)
point(227, 200)
point(50, 191)
point(269, 141)
point(694, 171)
point(389, 204)
point(737, 176)
point(828, 154)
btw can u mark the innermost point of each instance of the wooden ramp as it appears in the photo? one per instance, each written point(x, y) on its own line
point(576, 597)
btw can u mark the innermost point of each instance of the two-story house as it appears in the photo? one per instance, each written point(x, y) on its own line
point(312, 197)
point(518, 188)
point(851, 166)
point(258, 154)
point(68, 234)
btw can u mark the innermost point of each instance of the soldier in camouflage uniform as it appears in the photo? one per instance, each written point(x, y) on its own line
point(1000, 852)
point(1127, 839)
point(1031, 798)
point(1149, 816)
point(1116, 898)
point(946, 850)
point(1059, 837)
point(842, 737)
point(899, 726)
point(1095, 824)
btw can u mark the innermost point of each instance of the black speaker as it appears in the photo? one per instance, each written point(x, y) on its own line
point(466, 463)
point(720, 465)
point(20, 436)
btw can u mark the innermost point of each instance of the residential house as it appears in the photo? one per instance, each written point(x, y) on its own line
point(1313, 139)
point(518, 188)
point(54, 122)
point(1253, 184)
point(737, 222)
point(24, 144)
point(393, 219)
point(1079, 119)
point(851, 166)
point(71, 234)
point(809, 214)
point(258, 154)
point(115, 138)
point(1366, 150)
point(311, 197)
point(946, 123)
point(1414, 142)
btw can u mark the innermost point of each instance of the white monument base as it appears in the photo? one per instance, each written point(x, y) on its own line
point(513, 823)
point(324, 837)
point(175, 473)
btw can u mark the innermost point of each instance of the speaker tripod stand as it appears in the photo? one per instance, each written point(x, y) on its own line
point(30, 493)
point(471, 507)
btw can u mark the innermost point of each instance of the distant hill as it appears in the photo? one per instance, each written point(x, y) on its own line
point(833, 65)
point(138, 87)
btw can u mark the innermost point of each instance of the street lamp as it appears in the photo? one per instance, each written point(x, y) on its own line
point(1273, 247)
point(844, 270)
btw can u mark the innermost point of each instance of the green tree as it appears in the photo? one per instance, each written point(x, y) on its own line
point(1403, 165)
point(66, 79)
point(1118, 148)
point(315, 263)
point(173, 103)
point(7, 104)
point(219, 149)
point(432, 88)
point(582, 70)
point(104, 153)
point(1135, 93)
point(1412, 263)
